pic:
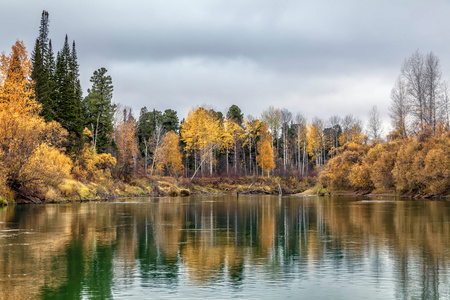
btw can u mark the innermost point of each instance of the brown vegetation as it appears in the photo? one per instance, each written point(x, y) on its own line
point(415, 165)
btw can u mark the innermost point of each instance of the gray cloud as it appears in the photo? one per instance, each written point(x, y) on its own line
point(321, 58)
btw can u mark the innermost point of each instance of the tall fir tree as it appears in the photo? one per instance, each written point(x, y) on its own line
point(68, 95)
point(99, 110)
point(42, 74)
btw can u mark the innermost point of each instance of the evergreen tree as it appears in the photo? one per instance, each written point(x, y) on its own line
point(42, 74)
point(147, 123)
point(170, 121)
point(43, 33)
point(235, 114)
point(68, 95)
point(99, 110)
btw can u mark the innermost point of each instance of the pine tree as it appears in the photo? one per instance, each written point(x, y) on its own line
point(68, 95)
point(170, 121)
point(99, 110)
point(42, 73)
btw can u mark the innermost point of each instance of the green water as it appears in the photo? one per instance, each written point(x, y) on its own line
point(255, 247)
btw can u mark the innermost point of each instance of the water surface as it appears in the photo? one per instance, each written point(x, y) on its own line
point(254, 247)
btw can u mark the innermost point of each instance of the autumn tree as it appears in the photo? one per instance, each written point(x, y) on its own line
point(202, 132)
point(272, 116)
point(16, 90)
point(99, 110)
point(265, 151)
point(125, 139)
point(231, 134)
point(316, 141)
point(168, 156)
point(91, 165)
point(29, 147)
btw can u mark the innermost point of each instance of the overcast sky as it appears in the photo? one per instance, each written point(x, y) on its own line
point(320, 58)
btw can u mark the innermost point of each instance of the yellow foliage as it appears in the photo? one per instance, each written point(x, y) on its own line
point(105, 161)
point(335, 174)
point(202, 131)
point(315, 141)
point(125, 138)
point(407, 170)
point(416, 164)
point(47, 165)
point(92, 166)
point(265, 151)
point(168, 155)
point(16, 90)
point(231, 133)
point(359, 177)
point(381, 160)
point(437, 170)
point(51, 195)
point(67, 187)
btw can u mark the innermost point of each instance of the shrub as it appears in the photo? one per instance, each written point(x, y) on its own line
point(51, 195)
point(437, 170)
point(185, 192)
point(173, 191)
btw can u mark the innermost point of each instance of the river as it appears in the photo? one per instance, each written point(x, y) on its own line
point(221, 247)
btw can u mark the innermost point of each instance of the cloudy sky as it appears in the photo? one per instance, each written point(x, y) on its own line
point(320, 58)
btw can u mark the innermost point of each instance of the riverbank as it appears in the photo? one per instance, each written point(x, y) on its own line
point(317, 190)
point(109, 189)
point(157, 186)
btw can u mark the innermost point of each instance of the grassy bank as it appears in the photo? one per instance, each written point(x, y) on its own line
point(320, 190)
point(106, 189)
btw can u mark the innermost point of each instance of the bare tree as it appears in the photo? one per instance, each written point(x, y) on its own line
point(334, 122)
point(433, 85)
point(285, 118)
point(445, 106)
point(413, 71)
point(374, 126)
point(348, 123)
point(399, 108)
point(155, 141)
point(272, 117)
point(422, 75)
point(302, 158)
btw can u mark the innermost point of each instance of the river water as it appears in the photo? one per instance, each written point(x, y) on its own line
point(253, 247)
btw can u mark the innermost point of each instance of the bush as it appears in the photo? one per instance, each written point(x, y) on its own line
point(360, 177)
point(52, 195)
point(437, 170)
point(174, 191)
point(185, 193)
point(335, 174)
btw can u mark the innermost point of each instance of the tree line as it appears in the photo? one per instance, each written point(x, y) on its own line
point(44, 117)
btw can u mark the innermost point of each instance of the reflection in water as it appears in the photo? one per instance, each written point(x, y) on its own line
point(258, 246)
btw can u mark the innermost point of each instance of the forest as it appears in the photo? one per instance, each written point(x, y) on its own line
point(56, 144)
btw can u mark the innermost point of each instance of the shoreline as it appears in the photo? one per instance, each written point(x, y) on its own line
point(185, 190)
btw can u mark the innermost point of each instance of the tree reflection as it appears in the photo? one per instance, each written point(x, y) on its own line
point(90, 249)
